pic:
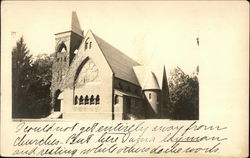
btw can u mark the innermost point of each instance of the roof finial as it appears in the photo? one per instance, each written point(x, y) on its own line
point(75, 25)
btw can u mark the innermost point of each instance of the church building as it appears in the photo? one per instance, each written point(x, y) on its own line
point(92, 80)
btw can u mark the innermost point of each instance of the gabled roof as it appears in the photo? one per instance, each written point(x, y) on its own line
point(120, 64)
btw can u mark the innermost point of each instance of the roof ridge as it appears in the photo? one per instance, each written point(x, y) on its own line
point(120, 63)
point(116, 49)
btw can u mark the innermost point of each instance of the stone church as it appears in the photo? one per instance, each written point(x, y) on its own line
point(92, 80)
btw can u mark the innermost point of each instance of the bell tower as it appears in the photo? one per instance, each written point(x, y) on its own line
point(67, 43)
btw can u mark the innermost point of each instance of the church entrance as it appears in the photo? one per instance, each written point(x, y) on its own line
point(57, 103)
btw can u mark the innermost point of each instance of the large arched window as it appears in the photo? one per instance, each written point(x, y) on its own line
point(81, 100)
point(92, 99)
point(97, 100)
point(86, 99)
point(76, 100)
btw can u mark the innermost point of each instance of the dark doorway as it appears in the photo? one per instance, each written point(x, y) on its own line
point(57, 105)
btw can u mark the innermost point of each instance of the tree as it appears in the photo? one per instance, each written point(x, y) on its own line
point(40, 85)
point(31, 81)
point(184, 95)
point(21, 73)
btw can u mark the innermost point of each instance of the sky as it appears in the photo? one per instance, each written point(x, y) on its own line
point(153, 33)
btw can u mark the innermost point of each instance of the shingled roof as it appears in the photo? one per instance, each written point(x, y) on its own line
point(121, 64)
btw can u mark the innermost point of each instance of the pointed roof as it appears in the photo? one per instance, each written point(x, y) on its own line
point(146, 78)
point(151, 82)
point(75, 25)
point(120, 64)
point(164, 83)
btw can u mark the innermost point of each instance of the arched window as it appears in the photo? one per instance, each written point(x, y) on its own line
point(92, 99)
point(62, 47)
point(86, 99)
point(76, 100)
point(81, 100)
point(97, 100)
point(149, 95)
point(116, 99)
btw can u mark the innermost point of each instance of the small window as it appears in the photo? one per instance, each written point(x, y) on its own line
point(97, 100)
point(58, 75)
point(86, 45)
point(76, 100)
point(81, 100)
point(92, 99)
point(149, 95)
point(90, 45)
point(116, 99)
point(86, 99)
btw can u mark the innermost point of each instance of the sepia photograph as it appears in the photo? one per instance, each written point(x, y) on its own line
point(124, 79)
point(85, 77)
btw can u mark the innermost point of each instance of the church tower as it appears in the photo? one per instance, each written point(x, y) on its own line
point(151, 92)
point(67, 44)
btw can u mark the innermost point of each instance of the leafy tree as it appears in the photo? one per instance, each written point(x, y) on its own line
point(184, 95)
point(31, 81)
point(40, 85)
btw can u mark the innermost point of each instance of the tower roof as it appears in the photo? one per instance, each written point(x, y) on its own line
point(151, 82)
point(75, 25)
point(146, 78)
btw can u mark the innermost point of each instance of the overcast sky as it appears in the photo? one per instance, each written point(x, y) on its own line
point(153, 33)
